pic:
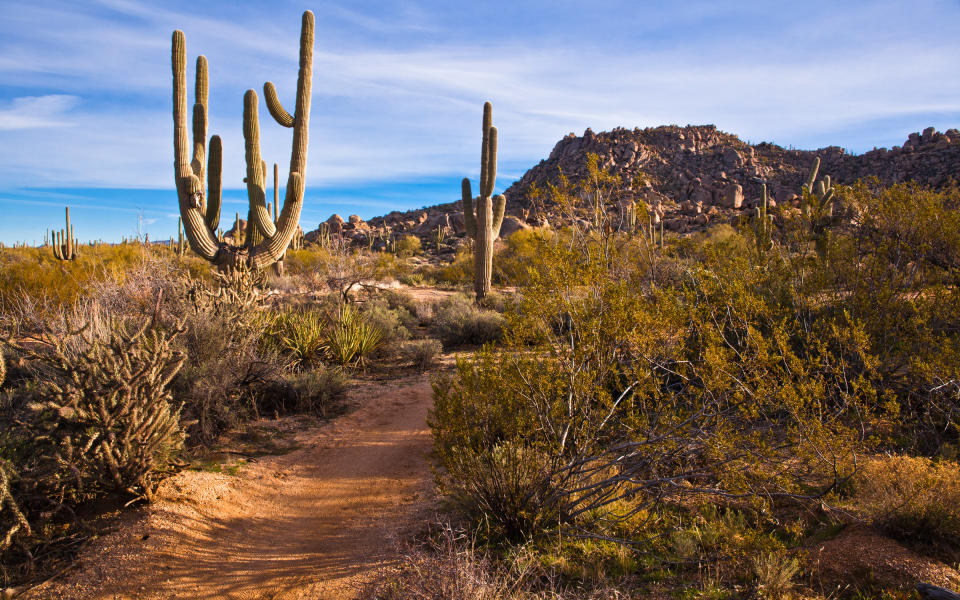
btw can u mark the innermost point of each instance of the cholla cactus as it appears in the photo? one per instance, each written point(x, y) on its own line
point(763, 223)
point(200, 211)
point(483, 221)
point(64, 244)
point(115, 388)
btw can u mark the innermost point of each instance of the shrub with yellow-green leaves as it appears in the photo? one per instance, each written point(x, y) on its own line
point(707, 370)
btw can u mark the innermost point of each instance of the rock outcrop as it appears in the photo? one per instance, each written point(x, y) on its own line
point(688, 176)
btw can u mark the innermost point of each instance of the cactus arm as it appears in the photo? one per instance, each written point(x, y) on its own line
point(289, 220)
point(491, 165)
point(280, 115)
point(499, 206)
point(276, 193)
point(812, 177)
point(189, 188)
point(485, 145)
point(201, 95)
point(257, 218)
point(469, 218)
point(214, 178)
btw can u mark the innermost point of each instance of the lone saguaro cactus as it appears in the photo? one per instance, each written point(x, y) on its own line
point(64, 246)
point(483, 220)
point(200, 208)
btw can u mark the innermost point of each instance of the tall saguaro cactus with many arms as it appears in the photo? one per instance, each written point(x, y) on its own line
point(483, 220)
point(200, 208)
point(64, 245)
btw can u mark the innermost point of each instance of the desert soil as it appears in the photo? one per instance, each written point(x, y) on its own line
point(314, 523)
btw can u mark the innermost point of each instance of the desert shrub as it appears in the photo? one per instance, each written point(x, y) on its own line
point(509, 486)
point(650, 379)
point(412, 312)
point(775, 572)
point(512, 263)
point(911, 498)
point(317, 390)
point(35, 273)
point(392, 322)
point(459, 321)
point(221, 382)
point(421, 353)
point(406, 246)
point(351, 339)
point(457, 272)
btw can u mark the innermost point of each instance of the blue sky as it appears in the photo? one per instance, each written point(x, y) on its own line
point(85, 91)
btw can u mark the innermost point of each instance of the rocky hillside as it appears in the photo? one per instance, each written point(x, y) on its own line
point(691, 176)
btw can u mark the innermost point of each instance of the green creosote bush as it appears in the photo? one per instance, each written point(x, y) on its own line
point(645, 379)
point(407, 246)
point(458, 321)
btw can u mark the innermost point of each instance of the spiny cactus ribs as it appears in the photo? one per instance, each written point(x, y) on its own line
point(483, 222)
point(267, 240)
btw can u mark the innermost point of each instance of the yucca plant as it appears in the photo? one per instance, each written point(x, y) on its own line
point(352, 338)
point(301, 335)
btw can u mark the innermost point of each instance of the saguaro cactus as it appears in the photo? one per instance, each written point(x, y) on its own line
point(763, 223)
point(818, 197)
point(483, 220)
point(64, 244)
point(180, 248)
point(199, 210)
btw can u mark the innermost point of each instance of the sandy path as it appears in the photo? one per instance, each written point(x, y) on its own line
point(314, 523)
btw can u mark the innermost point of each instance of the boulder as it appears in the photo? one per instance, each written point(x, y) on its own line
point(511, 225)
point(733, 196)
point(336, 223)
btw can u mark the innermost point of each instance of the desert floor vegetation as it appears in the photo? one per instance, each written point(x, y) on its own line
point(131, 363)
point(707, 416)
point(731, 413)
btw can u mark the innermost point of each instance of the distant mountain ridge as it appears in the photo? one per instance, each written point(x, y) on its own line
point(700, 162)
point(694, 175)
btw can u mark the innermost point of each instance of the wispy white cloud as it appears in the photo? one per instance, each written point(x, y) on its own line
point(35, 112)
point(403, 99)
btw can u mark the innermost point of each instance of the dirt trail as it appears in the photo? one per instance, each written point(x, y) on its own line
point(314, 523)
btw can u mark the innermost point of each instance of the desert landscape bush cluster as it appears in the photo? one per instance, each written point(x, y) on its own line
point(633, 395)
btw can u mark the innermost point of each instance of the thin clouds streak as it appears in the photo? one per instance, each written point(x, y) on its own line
point(398, 85)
